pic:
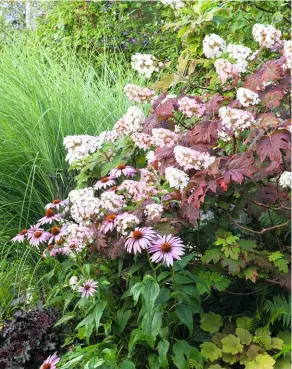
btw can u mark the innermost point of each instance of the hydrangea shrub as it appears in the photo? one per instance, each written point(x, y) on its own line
point(180, 220)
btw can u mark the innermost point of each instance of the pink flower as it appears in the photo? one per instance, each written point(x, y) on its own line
point(108, 224)
point(126, 170)
point(50, 217)
point(51, 362)
point(53, 251)
point(57, 233)
point(38, 237)
point(105, 182)
point(166, 249)
point(21, 236)
point(139, 239)
point(57, 204)
point(88, 288)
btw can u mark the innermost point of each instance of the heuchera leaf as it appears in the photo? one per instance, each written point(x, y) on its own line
point(210, 351)
point(231, 345)
point(211, 322)
point(238, 166)
point(244, 336)
point(270, 146)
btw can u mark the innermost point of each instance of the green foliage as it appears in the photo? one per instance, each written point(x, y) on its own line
point(94, 28)
point(279, 309)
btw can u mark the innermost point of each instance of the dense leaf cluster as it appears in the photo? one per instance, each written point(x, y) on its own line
point(28, 339)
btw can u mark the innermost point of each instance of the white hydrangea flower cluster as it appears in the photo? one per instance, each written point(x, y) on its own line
point(240, 54)
point(125, 221)
point(213, 46)
point(192, 159)
point(84, 206)
point(80, 147)
point(175, 4)
point(137, 190)
point(144, 64)
point(142, 140)
point(286, 179)
point(189, 107)
point(237, 119)
point(176, 178)
point(225, 69)
point(150, 157)
point(112, 201)
point(131, 122)
point(154, 211)
point(267, 36)
point(163, 137)
point(138, 94)
point(148, 177)
point(247, 97)
point(288, 53)
point(224, 136)
point(79, 236)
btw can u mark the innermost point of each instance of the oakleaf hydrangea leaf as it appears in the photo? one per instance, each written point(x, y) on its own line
point(244, 336)
point(231, 345)
point(210, 351)
point(211, 322)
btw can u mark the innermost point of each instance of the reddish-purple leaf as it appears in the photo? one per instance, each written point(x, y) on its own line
point(239, 166)
point(272, 98)
point(150, 123)
point(214, 104)
point(268, 120)
point(271, 146)
point(189, 212)
point(254, 83)
point(204, 133)
point(271, 71)
point(165, 109)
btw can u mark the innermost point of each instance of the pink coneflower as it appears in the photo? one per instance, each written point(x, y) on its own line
point(88, 288)
point(51, 362)
point(57, 204)
point(108, 224)
point(105, 182)
point(38, 237)
point(53, 251)
point(120, 169)
point(166, 248)
point(21, 236)
point(114, 188)
point(50, 217)
point(57, 233)
point(139, 239)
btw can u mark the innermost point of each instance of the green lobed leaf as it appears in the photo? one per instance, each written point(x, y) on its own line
point(211, 322)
